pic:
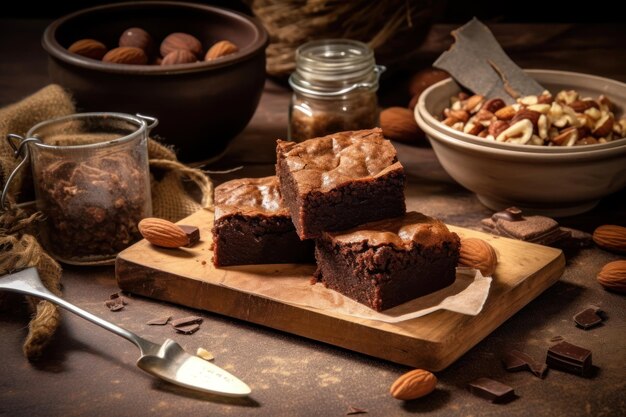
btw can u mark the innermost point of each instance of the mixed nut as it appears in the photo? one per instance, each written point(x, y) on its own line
point(136, 47)
point(566, 119)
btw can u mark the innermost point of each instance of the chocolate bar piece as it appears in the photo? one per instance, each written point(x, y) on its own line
point(492, 390)
point(519, 361)
point(570, 358)
point(588, 318)
point(193, 234)
point(535, 229)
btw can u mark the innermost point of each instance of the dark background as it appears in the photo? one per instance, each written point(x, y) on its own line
point(540, 11)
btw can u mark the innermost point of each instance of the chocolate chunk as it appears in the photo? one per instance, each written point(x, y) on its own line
point(115, 304)
point(117, 295)
point(519, 361)
point(570, 358)
point(185, 321)
point(162, 321)
point(512, 214)
point(189, 329)
point(477, 62)
point(492, 390)
point(589, 317)
point(193, 234)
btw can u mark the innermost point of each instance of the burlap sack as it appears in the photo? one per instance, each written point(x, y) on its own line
point(177, 191)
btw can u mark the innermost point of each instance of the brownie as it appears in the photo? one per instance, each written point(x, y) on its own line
point(252, 226)
point(339, 181)
point(385, 263)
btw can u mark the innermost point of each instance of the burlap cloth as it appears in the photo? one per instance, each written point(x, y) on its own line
point(177, 191)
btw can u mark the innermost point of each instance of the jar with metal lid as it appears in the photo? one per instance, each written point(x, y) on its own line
point(91, 180)
point(334, 88)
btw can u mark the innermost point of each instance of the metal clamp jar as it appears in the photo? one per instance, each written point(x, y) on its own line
point(91, 180)
point(334, 88)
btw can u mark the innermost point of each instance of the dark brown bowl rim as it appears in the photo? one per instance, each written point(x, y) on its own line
point(54, 48)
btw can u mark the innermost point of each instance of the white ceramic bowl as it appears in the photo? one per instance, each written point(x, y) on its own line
point(554, 181)
point(437, 97)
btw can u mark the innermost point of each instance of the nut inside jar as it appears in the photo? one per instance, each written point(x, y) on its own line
point(567, 119)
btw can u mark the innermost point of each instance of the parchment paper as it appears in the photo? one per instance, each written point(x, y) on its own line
point(466, 296)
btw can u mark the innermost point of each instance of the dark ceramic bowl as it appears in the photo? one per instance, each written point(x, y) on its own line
point(200, 106)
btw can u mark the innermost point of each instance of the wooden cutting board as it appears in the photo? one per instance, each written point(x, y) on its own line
point(186, 276)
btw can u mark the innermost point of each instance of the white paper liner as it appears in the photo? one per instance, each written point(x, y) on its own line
point(466, 296)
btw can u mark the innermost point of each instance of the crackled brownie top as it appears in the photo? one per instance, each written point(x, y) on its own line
point(321, 164)
point(401, 232)
point(250, 197)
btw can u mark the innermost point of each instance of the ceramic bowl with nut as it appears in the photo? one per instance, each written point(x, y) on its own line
point(199, 69)
point(559, 166)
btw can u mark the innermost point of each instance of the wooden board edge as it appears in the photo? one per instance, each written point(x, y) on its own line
point(372, 341)
point(465, 339)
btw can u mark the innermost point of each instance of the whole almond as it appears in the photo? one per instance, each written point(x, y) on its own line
point(180, 56)
point(493, 105)
point(604, 126)
point(181, 40)
point(479, 254)
point(613, 276)
point(472, 102)
point(89, 48)
point(220, 49)
point(423, 79)
point(138, 38)
point(531, 115)
point(414, 384)
point(126, 55)
point(611, 237)
point(163, 233)
point(398, 123)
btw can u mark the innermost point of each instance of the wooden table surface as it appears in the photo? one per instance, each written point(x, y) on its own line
point(90, 372)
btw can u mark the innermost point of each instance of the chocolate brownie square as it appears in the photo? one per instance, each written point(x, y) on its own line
point(339, 181)
point(252, 226)
point(388, 262)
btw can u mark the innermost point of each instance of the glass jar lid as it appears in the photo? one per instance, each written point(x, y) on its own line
point(332, 67)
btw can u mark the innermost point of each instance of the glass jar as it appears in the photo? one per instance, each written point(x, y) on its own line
point(92, 183)
point(334, 88)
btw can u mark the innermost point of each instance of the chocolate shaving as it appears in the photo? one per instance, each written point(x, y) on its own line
point(189, 329)
point(159, 321)
point(519, 361)
point(590, 317)
point(355, 410)
point(184, 321)
point(477, 62)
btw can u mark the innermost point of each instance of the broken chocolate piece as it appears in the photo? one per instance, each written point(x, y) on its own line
point(588, 318)
point(193, 234)
point(477, 62)
point(492, 390)
point(189, 329)
point(535, 229)
point(578, 238)
point(162, 321)
point(119, 296)
point(184, 321)
point(519, 361)
point(570, 358)
point(115, 304)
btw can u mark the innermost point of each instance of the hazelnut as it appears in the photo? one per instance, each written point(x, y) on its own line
point(138, 38)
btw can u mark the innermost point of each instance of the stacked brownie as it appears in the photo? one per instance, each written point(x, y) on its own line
point(346, 191)
point(252, 226)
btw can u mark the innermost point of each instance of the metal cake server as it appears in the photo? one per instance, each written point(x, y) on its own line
point(167, 361)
